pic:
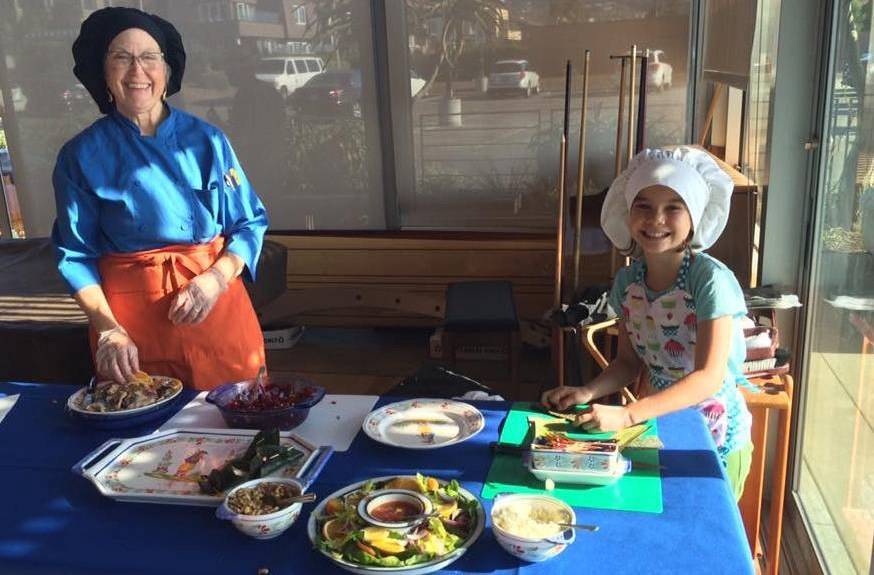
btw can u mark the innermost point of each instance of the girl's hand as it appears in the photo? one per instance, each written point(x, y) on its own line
point(605, 418)
point(564, 397)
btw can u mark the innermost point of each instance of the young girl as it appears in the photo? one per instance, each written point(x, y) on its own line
point(680, 309)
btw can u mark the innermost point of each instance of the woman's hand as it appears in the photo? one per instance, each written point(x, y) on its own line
point(194, 301)
point(117, 356)
point(564, 397)
point(605, 418)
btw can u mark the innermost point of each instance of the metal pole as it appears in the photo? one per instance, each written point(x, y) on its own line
point(640, 139)
point(581, 169)
point(559, 245)
point(631, 124)
point(620, 115)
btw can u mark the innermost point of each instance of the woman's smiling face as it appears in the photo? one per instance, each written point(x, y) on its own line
point(137, 86)
point(659, 220)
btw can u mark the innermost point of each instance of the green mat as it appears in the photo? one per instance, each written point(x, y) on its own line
point(639, 490)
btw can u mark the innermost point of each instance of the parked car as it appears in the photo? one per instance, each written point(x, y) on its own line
point(513, 76)
point(659, 75)
point(288, 73)
point(76, 98)
point(19, 100)
point(335, 92)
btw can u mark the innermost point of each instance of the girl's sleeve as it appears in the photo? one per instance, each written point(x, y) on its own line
point(76, 231)
point(617, 291)
point(716, 292)
point(244, 217)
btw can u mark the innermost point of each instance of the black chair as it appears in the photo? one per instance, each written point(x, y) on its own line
point(482, 307)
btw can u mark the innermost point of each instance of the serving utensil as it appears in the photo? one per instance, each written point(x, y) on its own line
point(580, 526)
point(285, 502)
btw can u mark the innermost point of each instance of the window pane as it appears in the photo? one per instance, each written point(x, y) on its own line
point(837, 454)
point(486, 132)
point(313, 171)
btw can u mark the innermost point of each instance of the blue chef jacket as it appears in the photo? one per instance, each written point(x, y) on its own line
point(118, 191)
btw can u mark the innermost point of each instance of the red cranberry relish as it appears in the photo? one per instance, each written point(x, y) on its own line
point(270, 397)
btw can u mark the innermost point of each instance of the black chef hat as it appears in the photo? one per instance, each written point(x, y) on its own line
point(98, 31)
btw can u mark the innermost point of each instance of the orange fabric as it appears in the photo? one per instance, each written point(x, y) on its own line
point(227, 346)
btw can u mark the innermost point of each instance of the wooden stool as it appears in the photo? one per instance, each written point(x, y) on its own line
point(483, 307)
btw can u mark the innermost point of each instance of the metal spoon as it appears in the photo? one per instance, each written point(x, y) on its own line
point(302, 498)
point(581, 526)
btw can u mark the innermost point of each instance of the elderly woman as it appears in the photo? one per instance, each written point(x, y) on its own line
point(156, 220)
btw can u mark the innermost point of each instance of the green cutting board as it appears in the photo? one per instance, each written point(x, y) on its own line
point(638, 490)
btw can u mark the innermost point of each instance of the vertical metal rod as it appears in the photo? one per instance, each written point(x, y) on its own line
point(581, 178)
point(558, 337)
point(631, 123)
point(619, 118)
point(559, 246)
point(640, 139)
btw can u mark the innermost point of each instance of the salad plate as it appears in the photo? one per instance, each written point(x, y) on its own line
point(165, 467)
point(340, 532)
point(424, 423)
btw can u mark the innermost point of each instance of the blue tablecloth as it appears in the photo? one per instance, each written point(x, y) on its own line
point(52, 521)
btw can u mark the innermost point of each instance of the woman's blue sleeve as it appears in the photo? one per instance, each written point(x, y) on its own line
point(244, 217)
point(76, 231)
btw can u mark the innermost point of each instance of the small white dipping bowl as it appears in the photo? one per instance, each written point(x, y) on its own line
point(265, 526)
point(367, 506)
point(533, 548)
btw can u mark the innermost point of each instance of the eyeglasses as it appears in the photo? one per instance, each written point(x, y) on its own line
point(122, 60)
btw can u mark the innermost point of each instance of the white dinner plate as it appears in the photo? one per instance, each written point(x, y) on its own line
point(424, 423)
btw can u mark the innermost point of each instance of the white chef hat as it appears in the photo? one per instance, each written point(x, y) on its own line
point(691, 173)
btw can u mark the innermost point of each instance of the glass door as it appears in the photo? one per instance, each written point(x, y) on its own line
point(835, 486)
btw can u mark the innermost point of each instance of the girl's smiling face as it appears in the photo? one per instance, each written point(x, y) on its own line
point(659, 220)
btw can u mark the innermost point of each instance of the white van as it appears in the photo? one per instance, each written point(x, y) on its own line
point(288, 73)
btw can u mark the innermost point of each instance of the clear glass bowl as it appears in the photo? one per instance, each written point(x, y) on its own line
point(244, 405)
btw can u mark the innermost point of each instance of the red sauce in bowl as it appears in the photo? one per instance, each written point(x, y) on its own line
point(395, 511)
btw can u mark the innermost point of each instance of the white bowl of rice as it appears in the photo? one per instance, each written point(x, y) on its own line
point(527, 526)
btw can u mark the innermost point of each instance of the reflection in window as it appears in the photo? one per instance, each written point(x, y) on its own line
point(486, 127)
point(313, 170)
point(835, 491)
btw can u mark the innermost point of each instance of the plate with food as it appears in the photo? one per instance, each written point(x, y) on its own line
point(424, 423)
point(396, 524)
point(197, 466)
point(111, 403)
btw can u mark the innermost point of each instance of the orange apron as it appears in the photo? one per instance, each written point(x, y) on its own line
point(227, 346)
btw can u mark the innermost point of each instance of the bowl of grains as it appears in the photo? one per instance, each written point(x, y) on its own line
point(261, 508)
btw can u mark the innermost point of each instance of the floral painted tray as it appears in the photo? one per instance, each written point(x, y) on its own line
point(424, 423)
point(164, 467)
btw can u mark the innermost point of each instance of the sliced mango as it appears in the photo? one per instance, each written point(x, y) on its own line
point(389, 546)
point(372, 534)
point(446, 510)
point(408, 483)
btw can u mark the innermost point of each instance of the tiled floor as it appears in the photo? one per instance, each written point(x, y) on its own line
point(837, 480)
